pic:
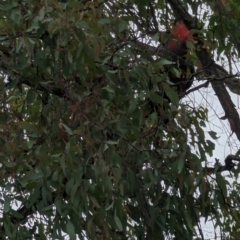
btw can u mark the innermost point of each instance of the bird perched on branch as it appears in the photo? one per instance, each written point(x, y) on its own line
point(180, 71)
point(176, 48)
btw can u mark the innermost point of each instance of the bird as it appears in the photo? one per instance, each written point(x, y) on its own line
point(175, 50)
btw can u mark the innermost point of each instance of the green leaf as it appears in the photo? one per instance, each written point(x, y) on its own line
point(110, 142)
point(156, 37)
point(70, 57)
point(95, 202)
point(117, 172)
point(117, 221)
point(222, 184)
point(171, 94)
point(104, 21)
point(36, 176)
point(188, 220)
point(34, 26)
point(122, 25)
point(164, 61)
point(213, 135)
point(74, 191)
point(71, 230)
point(34, 197)
point(16, 214)
point(63, 163)
point(132, 106)
point(69, 131)
point(41, 14)
point(69, 186)
point(180, 165)
point(41, 231)
point(9, 5)
point(6, 206)
point(19, 44)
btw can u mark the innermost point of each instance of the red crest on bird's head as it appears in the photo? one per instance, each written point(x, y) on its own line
point(180, 34)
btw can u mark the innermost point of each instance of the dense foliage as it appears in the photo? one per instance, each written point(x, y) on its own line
point(81, 154)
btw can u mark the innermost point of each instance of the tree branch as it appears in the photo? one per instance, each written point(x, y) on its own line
point(229, 165)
